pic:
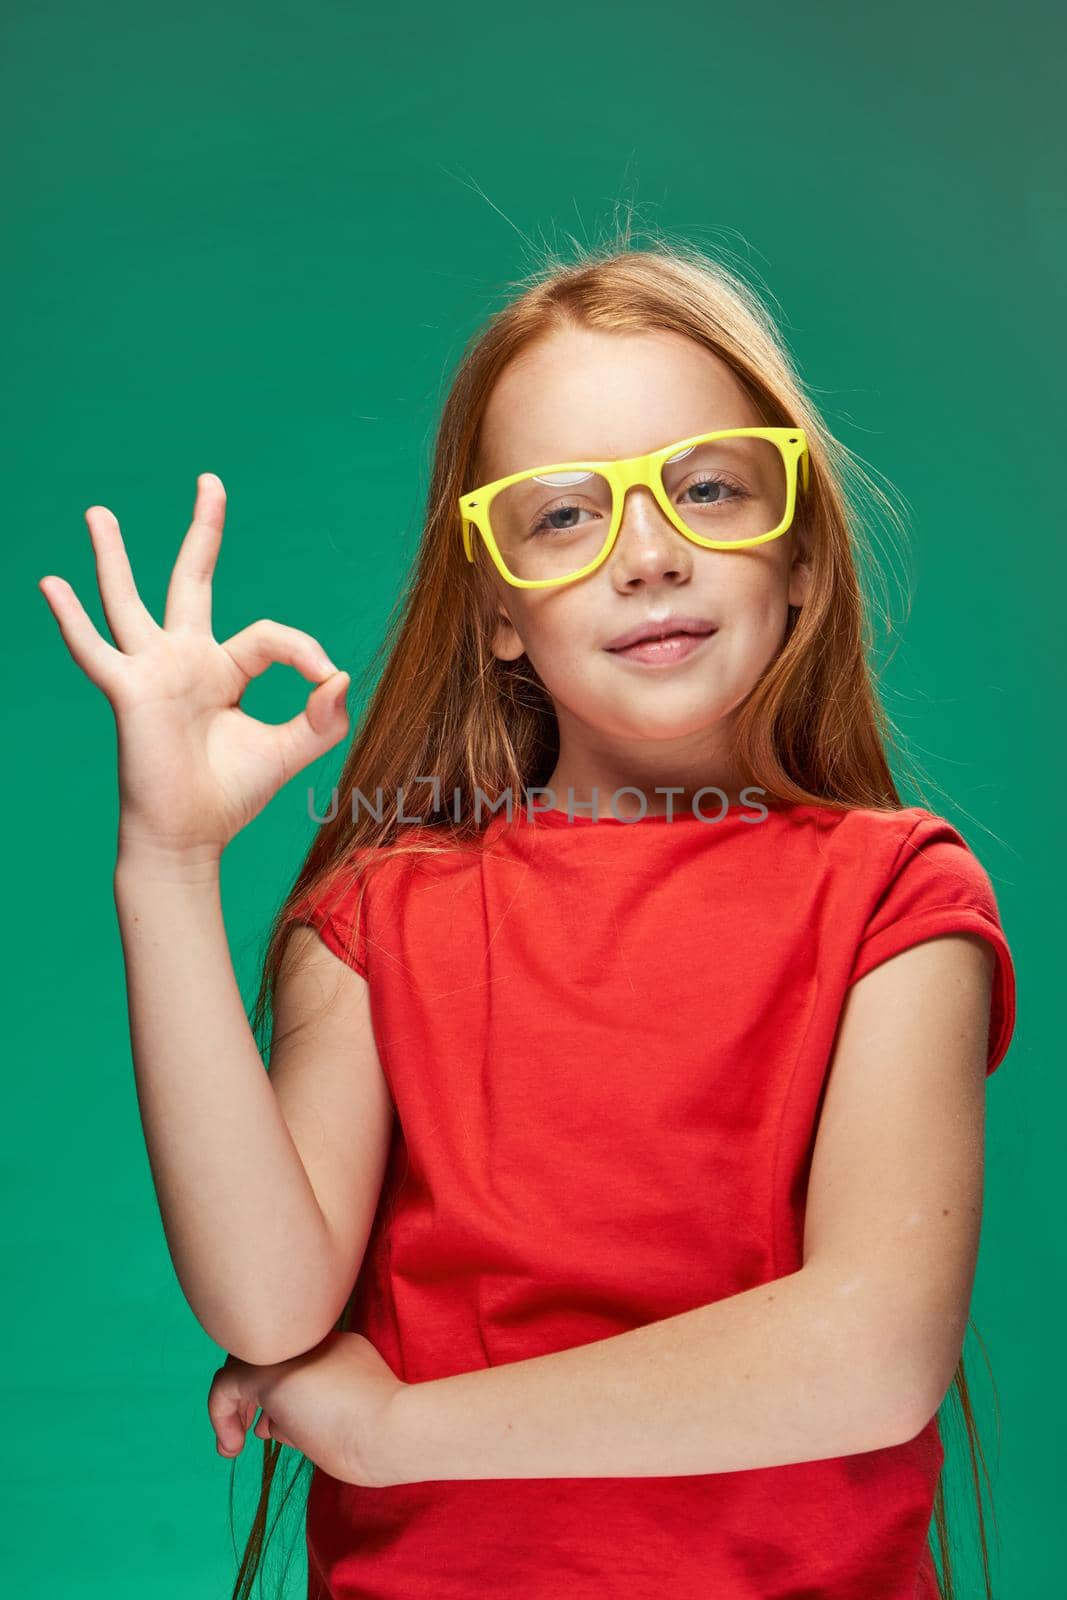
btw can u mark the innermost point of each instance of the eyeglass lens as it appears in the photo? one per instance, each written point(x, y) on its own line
point(551, 526)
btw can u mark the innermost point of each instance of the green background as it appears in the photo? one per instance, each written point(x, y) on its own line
point(252, 239)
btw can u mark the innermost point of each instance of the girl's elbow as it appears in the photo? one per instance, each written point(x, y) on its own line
point(909, 1398)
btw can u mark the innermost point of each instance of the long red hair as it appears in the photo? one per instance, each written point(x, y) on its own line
point(438, 701)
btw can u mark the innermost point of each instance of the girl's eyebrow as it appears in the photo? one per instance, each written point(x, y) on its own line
point(690, 433)
point(576, 455)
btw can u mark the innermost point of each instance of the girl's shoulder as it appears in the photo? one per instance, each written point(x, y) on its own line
point(416, 850)
point(916, 877)
point(915, 849)
point(899, 829)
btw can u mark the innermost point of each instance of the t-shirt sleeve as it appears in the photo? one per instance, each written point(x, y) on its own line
point(339, 921)
point(937, 885)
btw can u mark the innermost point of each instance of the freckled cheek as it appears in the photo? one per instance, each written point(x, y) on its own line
point(750, 582)
point(757, 607)
point(564, 637)
point(560, 655)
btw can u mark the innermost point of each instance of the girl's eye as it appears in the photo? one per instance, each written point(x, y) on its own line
point(547, 522)
point(714, 494)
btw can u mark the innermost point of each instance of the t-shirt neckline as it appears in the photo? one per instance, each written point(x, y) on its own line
point(558, 816)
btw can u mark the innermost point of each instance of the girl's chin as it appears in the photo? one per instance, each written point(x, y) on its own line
point(661, 725)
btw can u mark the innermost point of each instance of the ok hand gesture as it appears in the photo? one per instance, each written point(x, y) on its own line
point(194, 768)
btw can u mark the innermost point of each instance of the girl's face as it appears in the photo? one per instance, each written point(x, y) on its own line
point(582, 394)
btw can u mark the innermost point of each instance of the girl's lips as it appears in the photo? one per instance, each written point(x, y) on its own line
point(664, 652)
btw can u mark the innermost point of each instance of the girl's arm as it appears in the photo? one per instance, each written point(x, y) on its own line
point(266, 1185)
point(853, 1352)
point(266, 1209)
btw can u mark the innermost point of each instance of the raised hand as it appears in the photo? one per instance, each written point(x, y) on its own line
point(194, 768)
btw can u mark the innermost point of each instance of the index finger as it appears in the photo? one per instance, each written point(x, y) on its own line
point(188, 602)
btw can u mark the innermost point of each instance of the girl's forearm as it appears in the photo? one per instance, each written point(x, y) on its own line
point(245, 1230)
point(785, 1372)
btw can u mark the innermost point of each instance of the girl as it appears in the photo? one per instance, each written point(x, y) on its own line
point(607, 1221)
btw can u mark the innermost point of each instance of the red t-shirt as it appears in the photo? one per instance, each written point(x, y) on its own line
point(606, 1043)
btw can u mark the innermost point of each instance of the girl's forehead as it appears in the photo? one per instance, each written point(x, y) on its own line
point(586, 395)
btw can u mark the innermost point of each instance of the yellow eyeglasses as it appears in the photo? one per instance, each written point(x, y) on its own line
point(554, 524)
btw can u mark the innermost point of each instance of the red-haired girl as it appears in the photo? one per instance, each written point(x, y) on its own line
point(606, 1222)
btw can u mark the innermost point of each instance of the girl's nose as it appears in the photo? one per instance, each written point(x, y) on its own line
point(648, 546)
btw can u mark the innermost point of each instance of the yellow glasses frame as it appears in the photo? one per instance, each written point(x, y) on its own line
point(624, 475)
